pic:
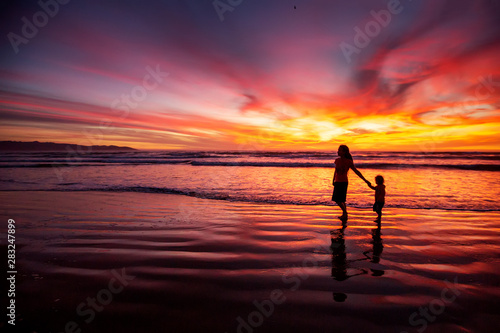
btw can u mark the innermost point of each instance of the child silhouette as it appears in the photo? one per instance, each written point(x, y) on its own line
point(379, 196)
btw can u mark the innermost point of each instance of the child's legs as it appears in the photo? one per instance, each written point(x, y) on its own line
point(378, 208)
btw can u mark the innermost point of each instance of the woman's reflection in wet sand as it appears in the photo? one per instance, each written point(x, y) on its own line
point(339, 257)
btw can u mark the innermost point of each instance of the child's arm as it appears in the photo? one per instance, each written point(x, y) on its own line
point(371, 186)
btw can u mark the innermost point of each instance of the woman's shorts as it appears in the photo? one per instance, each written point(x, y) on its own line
point(377, 206)
point(339, 192)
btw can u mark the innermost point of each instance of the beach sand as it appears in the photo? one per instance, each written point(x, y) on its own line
point(172, 263)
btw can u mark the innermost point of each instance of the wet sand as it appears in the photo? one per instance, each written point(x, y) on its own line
point(139, 262)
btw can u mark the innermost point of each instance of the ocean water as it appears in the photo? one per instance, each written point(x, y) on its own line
point(450, 181)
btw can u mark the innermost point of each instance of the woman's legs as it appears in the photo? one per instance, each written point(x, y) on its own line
point(342, 206)
point(339, 196)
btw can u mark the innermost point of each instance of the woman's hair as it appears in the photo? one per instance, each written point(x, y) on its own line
point(346, 150)
point(379, 179)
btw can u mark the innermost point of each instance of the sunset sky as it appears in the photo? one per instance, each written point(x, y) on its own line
point(257, 74)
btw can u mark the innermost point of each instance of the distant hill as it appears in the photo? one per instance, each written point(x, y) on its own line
point(51, 146)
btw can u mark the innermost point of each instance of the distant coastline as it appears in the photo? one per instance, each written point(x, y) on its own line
point(52, 146)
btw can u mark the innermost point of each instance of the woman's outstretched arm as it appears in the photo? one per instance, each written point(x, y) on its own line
point(356, 171)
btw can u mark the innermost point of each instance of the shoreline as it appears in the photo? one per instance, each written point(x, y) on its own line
point(256, 202)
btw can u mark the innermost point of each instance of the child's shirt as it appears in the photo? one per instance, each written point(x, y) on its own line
point(380, 193)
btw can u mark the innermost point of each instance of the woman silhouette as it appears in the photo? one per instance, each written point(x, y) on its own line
point(340, 181)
